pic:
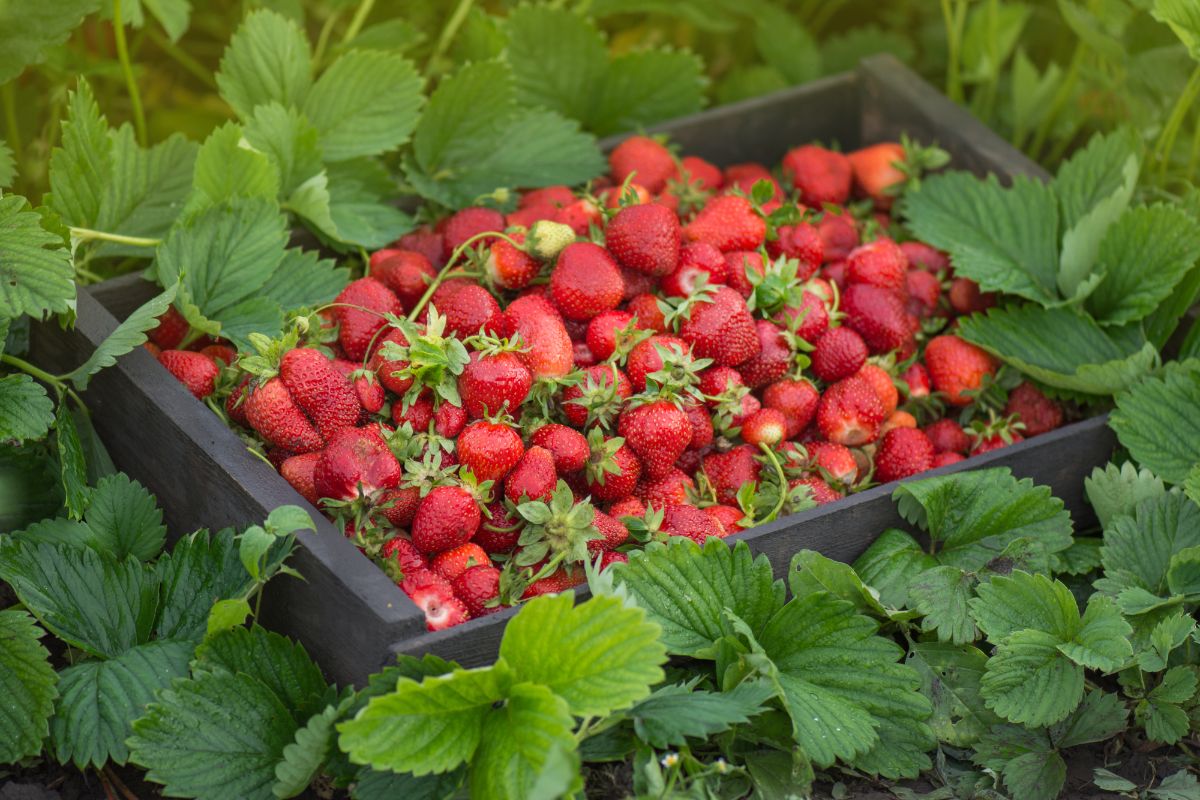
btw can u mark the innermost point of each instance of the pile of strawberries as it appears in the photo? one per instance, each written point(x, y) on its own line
point(679, 350)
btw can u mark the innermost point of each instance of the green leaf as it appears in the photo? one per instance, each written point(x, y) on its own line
point(647, 86)
point(1004, 239)
point(941, 594)
point(686, 588)
point(1154, 421)
point(280, 664)
point(1029, 681)
point(786, 45)
point(1008, 605)
point(1100, 717)
point(8, 166)
point(226, 614)
point(302, 759)
point(226, 170)
point(90, 601)
point(1063, 349)
point(1116, 491)
point(1143, 257)
point(1181, 785)
point(950, 676)
point(99, 700)
point(267, 60)
point(559, 60)
point(26, 411)
point(81, 167)
point(842, 51)
point(1184, 19)
point(1164, 722)
point(29, 487)
point(1178, 685)
point(675, 712)
point(72, 466)
point(520, 741)
point(360, 196)
point(839, 682)
point(366, 103)
point(36, 273)
point(1166, 635)
point(28, 31)
point(289, 140)
point(130, 334)
point(304, 280)
point(1102, 643)
point(373, 785)
point(891, 563)
point(27, 684)
point(1025, 759)
point(216, 736)
point(810, 571)
point(173, 15)
point(125, 519)
point(289, 519)
point(432, 726)
point(599, 656)
point(1094, 187)
point(1137, 550)
point(1080, 558)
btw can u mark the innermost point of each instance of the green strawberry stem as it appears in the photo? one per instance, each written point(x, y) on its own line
point(135, 96)
point(90, 235)
point(448, 273)
point(59, 382)
point(782, 482)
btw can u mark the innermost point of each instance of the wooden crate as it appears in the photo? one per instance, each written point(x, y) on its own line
point(346, 612)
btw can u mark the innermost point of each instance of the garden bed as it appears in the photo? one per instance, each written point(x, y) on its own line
point(349, 615)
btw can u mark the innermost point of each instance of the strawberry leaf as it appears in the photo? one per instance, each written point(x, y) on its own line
point(268, 59)
point(1154, 420)
point(36, 273)
point(28, 31)
point(673, 713)
point(289, 140)
point(27, 682)
point(125, 519)
point(1116, 491)
point(26, 411)
point(786, 44)
point(950, 676)
point(8, 165)
point(225, 171)
point(125, 337)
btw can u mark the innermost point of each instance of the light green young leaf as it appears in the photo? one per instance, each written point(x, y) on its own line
point(289, 519)
point(280, 664)
point(99, 700)
point(216, 736)
point(426, 727)
point(1116, 491)
point(131, 333)
point(1029, 681)
point(950, 676)
point(1137, 550)
point(989, 39)
point(366, 103)
point(289, 140)
point(1143, 257)
point(227, 170)
point(599, 656)
point(72, 467)
point(226, 614)
point(1063, 349)
point(310, 202)
point(82, 166)
point(1184, 19)
point(29, 30)
point(26, 411)
point(36, 273)
point(1181, 785)
point(1183, 574)
point(1166, 635)
point(303, 758)
point(173, 15)
point(125, 519)
point(267, 60)
point(1094, 187)
point(27, 682)
point(1005, 239)
point(90, 601)
point(675, 712)
point(519, 744)
point(685, 589)
point(1102, 642)
point(1154, 421)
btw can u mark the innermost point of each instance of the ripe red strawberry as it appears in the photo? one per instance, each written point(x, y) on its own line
point(492, 382)
point(922, 256)
point(703, 174)
point(945, 459)
point(876, 173)
point(614, 534)
point(884, 386)
point(425, 241)
point(298, 471)
point(549, 353)
point(820, 491)
point(489, 449)
point(948, 436)
point(801, 242)
point(879, 316)
point(1033, 409)
point(916, 378)
point(446, 518)
point(532, 478)
point(820, 175)
point(610, 557)
point(924, 291)
point(235, 403)
point(629, 507)
point(838, 235)
point(839, 354)
point(580, 215)
point(797, 399)
point(965, 297)
point(766, 426)
point(612, 470)
point(271, 411)
point(510, 268)
point(568, 446)
point(682, 519)
point(728, 471)
point(898, 419)
point(738, 265)
point(406, 556)
point(702, 425)
point(773, 359)
point(956, 367)
point(728, 222)
point(850, 412)
point(557, 196)
point(558, 581)
point(196, 371)
point(367, 386)
point(355, 462)
point(648, 160)
point(607, 332)
point(464, 224)
point(171, 329)
point(902, 452)
point(391, 371)
point(399, 505)
point(671, 489)
point(833, 462)
point(645, 239)
point(500, 529)
point(814, 314)
point(880, 263)
point(646, 357)
point(356, 327)
point(418, 414)
point(220, 352)
point(452, 563)
point(744, 176)
point(432, 594)
point(151, 348)
point(994, 441)
point(406, 272)
point(320, 389)
point(468, 307)
point(658, 432)
point(728, 518)
point(695, 260)
point(478, 588)
point(722, 329)
point(585, 281)
point(716, 380)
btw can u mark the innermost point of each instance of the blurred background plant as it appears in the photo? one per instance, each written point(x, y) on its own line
point(1044, 74)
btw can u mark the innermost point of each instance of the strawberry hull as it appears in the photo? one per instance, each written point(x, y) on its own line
point(348, 614)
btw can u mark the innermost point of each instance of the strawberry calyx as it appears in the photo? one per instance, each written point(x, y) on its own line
point(776, 287)
point(1004, 427)
point(263, 363)
point(561, 528)
point(679, 375)
point(434, 360)
point(427, 473)
point(625, 339)
point(602, 456)
point(602, 401)
point(647, 527)
point(676, 309)
point(918, 159)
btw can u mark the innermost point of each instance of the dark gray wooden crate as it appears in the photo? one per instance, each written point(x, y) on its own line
point(346, 612)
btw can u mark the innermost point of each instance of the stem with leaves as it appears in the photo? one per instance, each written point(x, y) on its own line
point(135, 96)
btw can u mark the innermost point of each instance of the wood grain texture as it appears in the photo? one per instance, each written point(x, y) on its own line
point(348, 614)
